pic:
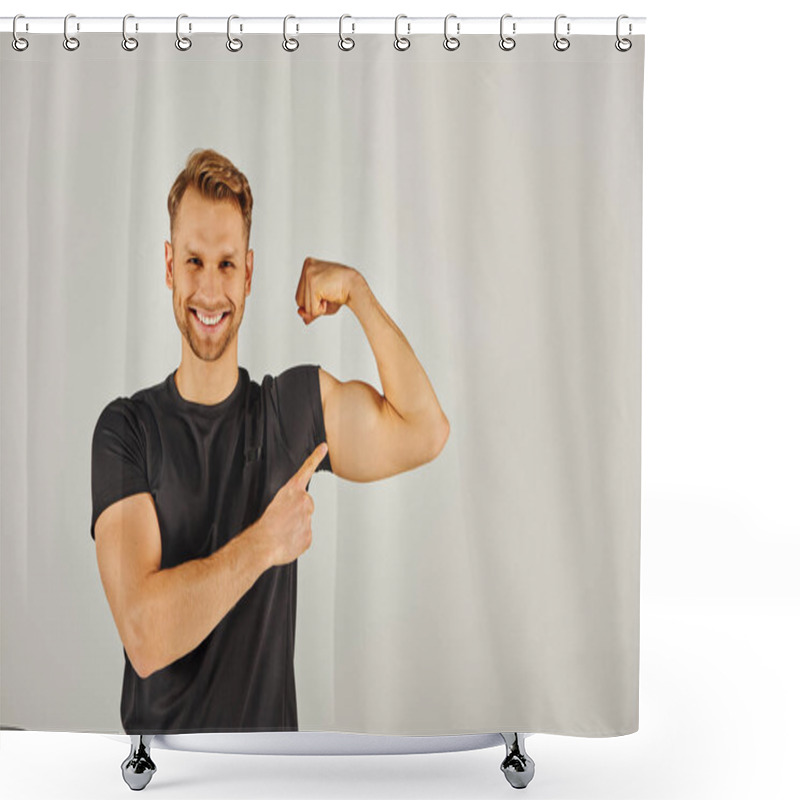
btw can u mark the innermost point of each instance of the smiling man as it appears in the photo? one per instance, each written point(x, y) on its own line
point(200, 507)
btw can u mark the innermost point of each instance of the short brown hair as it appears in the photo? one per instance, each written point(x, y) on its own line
point(216, 178)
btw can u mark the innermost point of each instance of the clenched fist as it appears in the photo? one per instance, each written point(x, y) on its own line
point(324, 287)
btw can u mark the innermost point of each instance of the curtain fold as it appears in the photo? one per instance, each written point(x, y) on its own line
point(493, 202)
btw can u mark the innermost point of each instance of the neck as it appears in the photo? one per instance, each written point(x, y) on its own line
point(207, 382)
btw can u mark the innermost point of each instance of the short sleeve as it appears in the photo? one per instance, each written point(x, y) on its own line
point(299, 403)
point(119, 457)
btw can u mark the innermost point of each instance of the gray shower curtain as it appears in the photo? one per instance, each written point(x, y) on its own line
point(492, 203)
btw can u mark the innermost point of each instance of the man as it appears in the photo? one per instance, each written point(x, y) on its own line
point(200, 508)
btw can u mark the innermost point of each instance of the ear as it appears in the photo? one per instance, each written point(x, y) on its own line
point(168, 258)
point(248, 261)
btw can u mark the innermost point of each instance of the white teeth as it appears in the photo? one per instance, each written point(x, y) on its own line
point(210, 320)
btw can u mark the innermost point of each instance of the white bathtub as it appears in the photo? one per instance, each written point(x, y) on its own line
point(317, 743)
point(138, 768)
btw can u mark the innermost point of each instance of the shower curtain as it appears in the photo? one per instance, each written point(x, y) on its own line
point(487, 205)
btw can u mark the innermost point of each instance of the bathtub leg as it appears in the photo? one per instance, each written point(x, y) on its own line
point(138, 767)
point(517, 766)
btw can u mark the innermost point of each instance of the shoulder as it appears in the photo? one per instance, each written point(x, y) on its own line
point(299, 380)
point(295, 394)
point(117, 412)
point(132, 415)
point(119, 425)
point(298, 372)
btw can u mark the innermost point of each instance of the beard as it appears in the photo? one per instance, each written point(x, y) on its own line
point(208, 346)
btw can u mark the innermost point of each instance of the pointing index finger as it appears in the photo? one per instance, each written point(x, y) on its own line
point(311, 463)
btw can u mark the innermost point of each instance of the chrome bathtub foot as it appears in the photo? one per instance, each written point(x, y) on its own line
point(138, 767)
point(517, 766)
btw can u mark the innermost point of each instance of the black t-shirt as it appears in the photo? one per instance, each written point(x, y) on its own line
point(212, 471)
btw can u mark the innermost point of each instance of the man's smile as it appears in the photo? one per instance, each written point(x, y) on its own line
point(209, 322)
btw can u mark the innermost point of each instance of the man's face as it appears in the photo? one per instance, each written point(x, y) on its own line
point(209, 272)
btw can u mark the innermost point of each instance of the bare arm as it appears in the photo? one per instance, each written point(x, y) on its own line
point(163, 614)
point(406, 386)
point(372, 435)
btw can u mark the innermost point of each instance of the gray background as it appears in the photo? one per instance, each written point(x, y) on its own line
point(493, 202)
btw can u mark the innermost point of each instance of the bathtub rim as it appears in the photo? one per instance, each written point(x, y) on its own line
point(318, 743)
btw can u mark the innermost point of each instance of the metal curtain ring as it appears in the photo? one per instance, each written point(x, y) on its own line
point(70, 42)
point(342, 39)
point(401, 42)
point(17, 42)
point(451, 42)
point(560, 40)
point(289, 43)
point(233, 44)
point(507, 42)
point(182, 42)
point(128, 42)
point(623, 45)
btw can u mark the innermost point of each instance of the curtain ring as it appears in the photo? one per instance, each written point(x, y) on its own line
point(560, 40)
point(128, 42)
point(619, 43)
point(451, 42)
point(233, 44)
point(343, 39)
point(17, 42)
point(288, 39)
point(406, 43)
point(182, 42)
point(507, 42)
point(70, 42)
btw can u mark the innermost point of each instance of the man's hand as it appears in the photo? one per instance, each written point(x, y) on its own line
point(285, 526)
point(324, 288)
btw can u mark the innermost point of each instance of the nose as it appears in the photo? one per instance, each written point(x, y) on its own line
point(210, 289)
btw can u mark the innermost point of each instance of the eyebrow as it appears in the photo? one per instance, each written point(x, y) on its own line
point(226, 254)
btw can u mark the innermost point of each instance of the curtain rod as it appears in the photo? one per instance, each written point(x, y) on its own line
point(300, 25)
